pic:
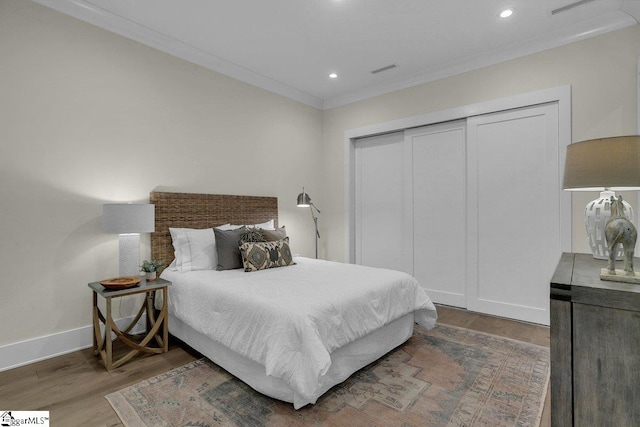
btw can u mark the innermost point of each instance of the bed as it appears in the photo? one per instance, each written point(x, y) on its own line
point(291, 332)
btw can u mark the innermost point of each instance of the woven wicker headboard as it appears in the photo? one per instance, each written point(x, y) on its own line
point(188, 210)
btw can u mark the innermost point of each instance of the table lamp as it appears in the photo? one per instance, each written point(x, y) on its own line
point(606, 165)
point(128, 221)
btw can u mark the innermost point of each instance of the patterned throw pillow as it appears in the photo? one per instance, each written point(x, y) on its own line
point(249, 234)
point(262, 255)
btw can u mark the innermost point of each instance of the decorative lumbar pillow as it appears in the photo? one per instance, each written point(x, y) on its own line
point(262, 255)
point(273, 235)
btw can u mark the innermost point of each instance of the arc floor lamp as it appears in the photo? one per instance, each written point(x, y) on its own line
point(304, 201)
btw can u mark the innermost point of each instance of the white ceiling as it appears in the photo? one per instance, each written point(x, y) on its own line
point(290, 46)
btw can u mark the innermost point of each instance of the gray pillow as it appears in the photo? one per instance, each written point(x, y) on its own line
point(228, 247)
point(273, 235)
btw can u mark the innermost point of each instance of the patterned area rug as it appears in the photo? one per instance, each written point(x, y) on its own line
point(446, 376)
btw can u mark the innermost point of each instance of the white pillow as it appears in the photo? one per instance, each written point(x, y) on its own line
point(182, 251)
point(194, 249)
point(177, 246)
point(226, 227)
point(269, 225)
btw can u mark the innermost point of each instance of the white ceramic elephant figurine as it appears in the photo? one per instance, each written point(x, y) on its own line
point(619, 230)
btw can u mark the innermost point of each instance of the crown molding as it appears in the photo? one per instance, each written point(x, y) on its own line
point(604, 24)
point(88, 12)
point(85, 11)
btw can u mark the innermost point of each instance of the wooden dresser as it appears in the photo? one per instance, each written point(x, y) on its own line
point(595, 346)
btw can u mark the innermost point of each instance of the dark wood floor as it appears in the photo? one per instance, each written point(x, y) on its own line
point(72, 387)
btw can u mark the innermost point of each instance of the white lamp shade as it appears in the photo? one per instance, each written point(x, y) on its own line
point(123, 218)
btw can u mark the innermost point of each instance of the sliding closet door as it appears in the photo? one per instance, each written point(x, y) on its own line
point(513, 211)
point(383, 235)
point(439, 211)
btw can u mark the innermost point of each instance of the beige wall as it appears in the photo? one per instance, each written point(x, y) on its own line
point(600, 70)
point(88, 117)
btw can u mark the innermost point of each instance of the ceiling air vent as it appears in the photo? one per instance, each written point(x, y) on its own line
point(388, 67)
point(570, 6)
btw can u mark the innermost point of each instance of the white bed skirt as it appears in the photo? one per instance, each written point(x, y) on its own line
point(344, 361)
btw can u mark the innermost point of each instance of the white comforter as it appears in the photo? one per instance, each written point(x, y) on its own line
point(290, 319)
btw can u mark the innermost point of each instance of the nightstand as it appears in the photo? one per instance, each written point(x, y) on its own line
point(595, 336)
point(156, 338)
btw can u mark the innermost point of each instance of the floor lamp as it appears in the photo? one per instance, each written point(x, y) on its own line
point(305, 201)
point(128, 221)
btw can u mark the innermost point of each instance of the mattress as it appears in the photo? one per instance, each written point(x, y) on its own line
point(291, 320)
point(344, 361)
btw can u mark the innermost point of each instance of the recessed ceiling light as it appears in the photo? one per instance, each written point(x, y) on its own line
point(333, 76)
point(506, 13)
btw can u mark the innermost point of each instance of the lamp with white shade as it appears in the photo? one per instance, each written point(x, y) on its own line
point(304, 201)
point(128, 220)
point(606, 165)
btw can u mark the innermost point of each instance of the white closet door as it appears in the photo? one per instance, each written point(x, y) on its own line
point(513, 203)
point(383, 235)
point(439, 210)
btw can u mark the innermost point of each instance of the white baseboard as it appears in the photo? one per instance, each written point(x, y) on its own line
point(33, 350)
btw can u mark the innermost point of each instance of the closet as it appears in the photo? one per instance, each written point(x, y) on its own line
point(470, 207)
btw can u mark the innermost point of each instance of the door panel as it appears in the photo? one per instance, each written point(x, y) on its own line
point(471, 208)
point(439, 211)
point(513, 211)
point(383, 234)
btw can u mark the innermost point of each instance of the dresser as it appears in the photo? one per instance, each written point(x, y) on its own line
point(595, 346)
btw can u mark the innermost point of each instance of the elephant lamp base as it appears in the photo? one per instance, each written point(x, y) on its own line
point(620, 276)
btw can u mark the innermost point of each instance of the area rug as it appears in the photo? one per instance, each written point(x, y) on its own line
point(446, 376)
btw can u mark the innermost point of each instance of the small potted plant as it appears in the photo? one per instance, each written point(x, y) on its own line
point(151, 269)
